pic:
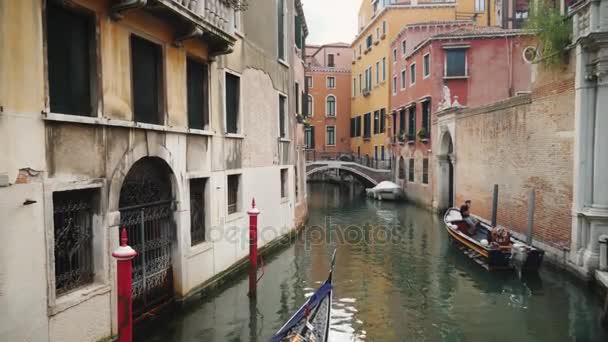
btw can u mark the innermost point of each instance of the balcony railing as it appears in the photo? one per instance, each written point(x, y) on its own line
point(210, 20)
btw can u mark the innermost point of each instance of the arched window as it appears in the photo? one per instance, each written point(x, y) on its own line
point(401, 168)
point(330, 109)
point(310, 107)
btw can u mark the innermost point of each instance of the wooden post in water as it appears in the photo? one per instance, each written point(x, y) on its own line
point(531, 204)
point(494, 205)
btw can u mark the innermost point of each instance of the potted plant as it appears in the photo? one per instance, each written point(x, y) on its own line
point(401, 136)
point(423, 135)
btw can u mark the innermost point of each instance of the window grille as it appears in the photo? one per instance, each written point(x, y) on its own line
point(197, 211)
point(233, 193)
point(73, 230)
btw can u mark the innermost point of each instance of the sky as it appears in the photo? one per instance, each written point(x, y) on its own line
point(331, 21)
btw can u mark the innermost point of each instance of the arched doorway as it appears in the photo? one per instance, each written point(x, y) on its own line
point(146, 210)
point(445, 178)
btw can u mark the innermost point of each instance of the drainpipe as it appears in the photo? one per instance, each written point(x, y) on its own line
point(603, 240)
point(117, 9)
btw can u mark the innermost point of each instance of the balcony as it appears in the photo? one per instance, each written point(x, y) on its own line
point(208, 20)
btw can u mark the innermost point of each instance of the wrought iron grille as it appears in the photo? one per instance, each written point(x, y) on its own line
point(72, 219)
point(146, 211)
point(197, 211)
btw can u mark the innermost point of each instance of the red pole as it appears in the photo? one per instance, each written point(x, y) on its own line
point(253, 247)
point(124, 254)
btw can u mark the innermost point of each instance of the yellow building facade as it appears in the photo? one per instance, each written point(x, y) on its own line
point(380, 21)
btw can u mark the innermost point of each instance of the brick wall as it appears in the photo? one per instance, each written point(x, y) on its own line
point(520, 144)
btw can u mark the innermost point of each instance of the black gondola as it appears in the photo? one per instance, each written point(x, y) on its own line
point(312, 320)
point(492, 255)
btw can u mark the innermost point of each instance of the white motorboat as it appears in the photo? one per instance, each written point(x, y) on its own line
point(386, 191)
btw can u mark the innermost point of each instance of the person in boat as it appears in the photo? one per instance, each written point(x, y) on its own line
point(466, 217)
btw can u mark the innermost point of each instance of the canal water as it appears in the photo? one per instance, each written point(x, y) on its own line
point(397, 278)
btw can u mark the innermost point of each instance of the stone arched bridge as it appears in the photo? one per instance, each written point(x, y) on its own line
point(367, 174)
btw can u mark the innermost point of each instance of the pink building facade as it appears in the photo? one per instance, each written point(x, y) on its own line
point(440, 66)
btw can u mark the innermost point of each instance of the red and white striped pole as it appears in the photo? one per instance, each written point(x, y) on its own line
point(124, 256)
point(253, 248)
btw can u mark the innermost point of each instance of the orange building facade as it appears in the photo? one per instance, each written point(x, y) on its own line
point(328, 84)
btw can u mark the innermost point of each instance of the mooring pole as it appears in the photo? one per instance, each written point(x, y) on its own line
point(124, 256)
point(494, 205)
point(253, 248)
point(531, 204)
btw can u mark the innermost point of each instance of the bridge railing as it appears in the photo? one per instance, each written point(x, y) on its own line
point(312, 155)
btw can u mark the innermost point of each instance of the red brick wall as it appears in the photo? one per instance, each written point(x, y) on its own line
point(521, 144)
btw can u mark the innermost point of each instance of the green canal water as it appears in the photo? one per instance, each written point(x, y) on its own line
point(397, 278)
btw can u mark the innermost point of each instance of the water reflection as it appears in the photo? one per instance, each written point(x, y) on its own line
point(397, 279)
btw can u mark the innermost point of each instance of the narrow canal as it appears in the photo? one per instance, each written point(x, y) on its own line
point(397, 279)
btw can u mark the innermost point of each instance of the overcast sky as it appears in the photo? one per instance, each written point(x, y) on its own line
point(331, 21)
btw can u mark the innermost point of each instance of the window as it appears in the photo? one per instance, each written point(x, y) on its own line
point(359, 50)
point(297, 101)
point(383, 69)
point(310, 106)
point(425, 171)
point(426, 118)
point(281, 28)
point(352, 127)
point(402, 121)
point(330, 60)
point(198, 94)
point(382, 152)
point(70, 88)
point(237, 21)
point(331, 82)
point(369, 41)
point(233, 193)
point(480, 5)
point(426, 65)
point(233, 94)
point(403, 79)
point(147, 80)
point(358, 126)
point(394, 55)
point(309, 81)
point(377, 33)
point(197, 210)
point(369, 79)
point(354, 87)
point(412, 123)
point(377, 72)
point(410, 176)
point(330, 109)
point(376, 122)
point(401, 168)
point(367, 123)
point(330, 135)
point(309, 137)
point(394, 85)
point(282, 111)
point(73, 236)
point(298, 36)
point(403, 47)
point(382, 120)
point(375, 152)
point(284, 178)
point(413, 74)
point(383, 27)
point(455, 63)
point(360, 85)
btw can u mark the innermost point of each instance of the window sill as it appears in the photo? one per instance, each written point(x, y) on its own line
point(234, 136)
point(411, 142)
point(89, 120)
point(76, 297)
point(455, 77)
point(200, 248)
point(235, 217)
point(424, 141)
point(283, 62)
point(285, 140)
point(284, 200)
point(239, 34)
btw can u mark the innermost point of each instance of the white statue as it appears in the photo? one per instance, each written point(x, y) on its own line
point(446, 103)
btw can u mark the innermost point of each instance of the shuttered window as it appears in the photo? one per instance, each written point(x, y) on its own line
point(411, 171)
point(425, 171)
point(382, 120)
point(198, 94)
point(146, 66)
point(281, 28)
point(455, 62)
point(412, 123)
point(367, 123)
point(309, 137)
point(70, 42)
point(376, 122)
point(282, 109)
point(197, 210)
point(233, 89)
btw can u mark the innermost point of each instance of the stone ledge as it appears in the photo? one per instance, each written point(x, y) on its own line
point(496, 106)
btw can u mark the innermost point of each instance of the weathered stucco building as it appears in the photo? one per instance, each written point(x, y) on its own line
point(165, 117)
